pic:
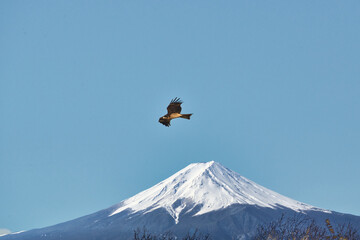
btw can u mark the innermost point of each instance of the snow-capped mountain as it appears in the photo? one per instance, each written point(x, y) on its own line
point(206, 196)
point(210, 185)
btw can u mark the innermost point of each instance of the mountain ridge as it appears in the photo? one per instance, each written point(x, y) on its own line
point(206, 196)
point(202, 183)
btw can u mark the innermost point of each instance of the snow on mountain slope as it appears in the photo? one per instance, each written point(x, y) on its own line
point(203, 196)
point(209, 185)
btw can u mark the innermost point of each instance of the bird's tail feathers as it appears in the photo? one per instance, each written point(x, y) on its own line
point(186, 116)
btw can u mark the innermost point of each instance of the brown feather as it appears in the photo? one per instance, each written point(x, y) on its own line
point(174, 106)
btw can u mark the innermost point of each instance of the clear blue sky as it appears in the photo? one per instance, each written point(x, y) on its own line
point(274, 87)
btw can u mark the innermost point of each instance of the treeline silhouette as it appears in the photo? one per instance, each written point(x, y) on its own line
point(144, 234)
point(302, 228)
point(296, 227)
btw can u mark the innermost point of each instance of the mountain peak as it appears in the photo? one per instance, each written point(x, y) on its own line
point(201, 166)
point(205, 196)
point(207, 186)
point(211, 163)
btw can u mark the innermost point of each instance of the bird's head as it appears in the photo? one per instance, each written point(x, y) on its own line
point(165, 121)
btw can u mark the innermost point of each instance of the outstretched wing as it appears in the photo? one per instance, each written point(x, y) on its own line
point(174, 106)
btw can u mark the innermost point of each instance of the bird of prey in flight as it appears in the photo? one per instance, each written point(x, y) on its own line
point(174, 111)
